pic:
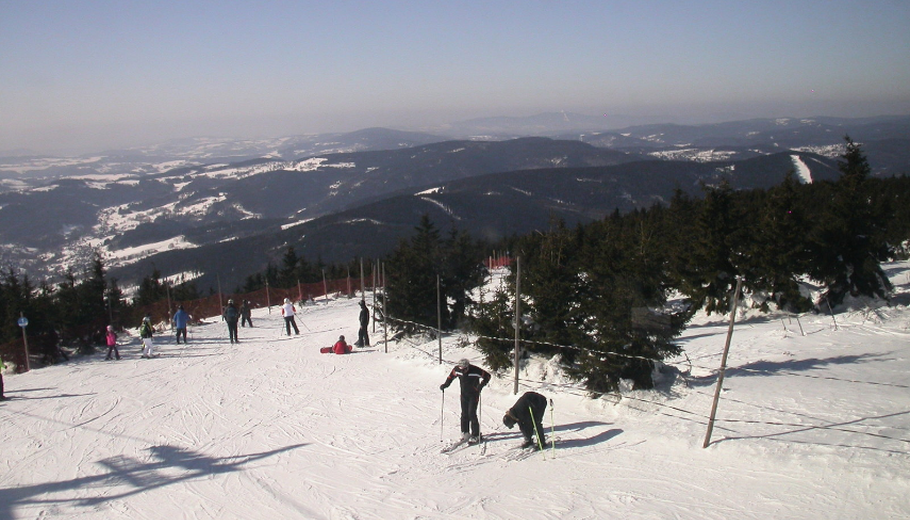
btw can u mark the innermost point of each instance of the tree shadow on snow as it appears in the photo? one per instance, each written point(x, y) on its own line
point(169, 465)
point(767, 368)
point(852, 431)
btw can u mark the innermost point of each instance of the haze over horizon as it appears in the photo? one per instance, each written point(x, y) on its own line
point(83, 76)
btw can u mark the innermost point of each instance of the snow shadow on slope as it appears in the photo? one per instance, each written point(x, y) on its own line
point(169, 465)
point(573, 442)
point(767, 368)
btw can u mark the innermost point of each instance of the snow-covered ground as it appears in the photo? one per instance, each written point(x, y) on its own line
point(811, 425)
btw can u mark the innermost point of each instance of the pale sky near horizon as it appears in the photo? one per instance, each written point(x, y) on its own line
point(79, 76)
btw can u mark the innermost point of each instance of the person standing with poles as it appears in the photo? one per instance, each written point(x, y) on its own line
point(472, 379)
point(288, 311)
point(528, 414)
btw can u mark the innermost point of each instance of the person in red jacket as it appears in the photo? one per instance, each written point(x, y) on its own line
point(340, 347)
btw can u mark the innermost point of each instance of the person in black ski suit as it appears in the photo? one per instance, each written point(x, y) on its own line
point(528, 414)
point(472, 380)
point(231, 315)
point(363, 339)
point(245, 314)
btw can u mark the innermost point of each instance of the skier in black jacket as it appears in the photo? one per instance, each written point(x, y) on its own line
point(231, 316)
point(472, 379)
point(528, 414)
point(363, 339)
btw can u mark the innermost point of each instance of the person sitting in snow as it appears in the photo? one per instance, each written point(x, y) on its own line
point(528, 414)
point(472, 379)
point(340, 347)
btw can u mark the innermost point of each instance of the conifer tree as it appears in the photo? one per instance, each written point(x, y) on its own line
point(716, 251)
point(412, 273)
point(848, 241)
point(287, 275)
point(777, 252)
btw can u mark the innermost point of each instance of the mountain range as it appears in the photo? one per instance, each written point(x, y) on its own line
point(207, 208)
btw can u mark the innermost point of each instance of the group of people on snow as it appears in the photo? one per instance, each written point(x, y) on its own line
point(527, 412)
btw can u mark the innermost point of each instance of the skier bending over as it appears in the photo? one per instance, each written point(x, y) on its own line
point(528, 414)
point(472, 379)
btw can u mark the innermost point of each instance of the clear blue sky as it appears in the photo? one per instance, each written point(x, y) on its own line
point(87, 75)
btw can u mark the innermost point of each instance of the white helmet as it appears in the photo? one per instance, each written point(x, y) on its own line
point(287, 300)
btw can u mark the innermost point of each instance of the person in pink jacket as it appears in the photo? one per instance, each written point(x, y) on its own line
point(111, 344)
point(340, 347)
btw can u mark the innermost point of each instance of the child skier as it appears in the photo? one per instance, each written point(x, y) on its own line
point(111, 343)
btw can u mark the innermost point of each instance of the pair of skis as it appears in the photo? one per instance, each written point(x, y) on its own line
point(455, 446)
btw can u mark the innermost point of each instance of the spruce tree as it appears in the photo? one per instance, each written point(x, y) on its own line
point(777, 252)
point(847, 243)
point(412, 273)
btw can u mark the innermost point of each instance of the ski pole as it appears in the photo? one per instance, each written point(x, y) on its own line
point(552, 429)
point(536, 432)
point(442, 414)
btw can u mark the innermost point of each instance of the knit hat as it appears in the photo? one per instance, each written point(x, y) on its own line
point(508, 420)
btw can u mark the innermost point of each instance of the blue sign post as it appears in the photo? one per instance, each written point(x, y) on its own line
point(23, 322)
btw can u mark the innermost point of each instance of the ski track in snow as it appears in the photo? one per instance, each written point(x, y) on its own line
point(814, 426)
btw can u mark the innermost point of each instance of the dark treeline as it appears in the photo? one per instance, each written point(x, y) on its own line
point(602, 289)
point(296, 270)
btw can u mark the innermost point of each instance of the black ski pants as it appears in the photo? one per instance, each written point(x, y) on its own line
point(469, 421)
point(232, 330)
point(288, 323)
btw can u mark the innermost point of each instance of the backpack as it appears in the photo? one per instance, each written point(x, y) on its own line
point(145, 331)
